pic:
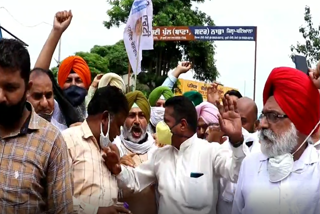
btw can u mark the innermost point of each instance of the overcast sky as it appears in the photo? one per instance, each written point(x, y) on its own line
point(278, 24)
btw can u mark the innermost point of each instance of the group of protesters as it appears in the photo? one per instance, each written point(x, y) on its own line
point(75, 145)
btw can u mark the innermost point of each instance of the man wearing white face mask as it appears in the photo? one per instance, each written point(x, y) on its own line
point(136, 146)
point(156, 99)
point(284, 178)
point(95, 189)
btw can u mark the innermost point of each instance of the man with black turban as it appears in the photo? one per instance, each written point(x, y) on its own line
point(136, 146)
point(284, 176)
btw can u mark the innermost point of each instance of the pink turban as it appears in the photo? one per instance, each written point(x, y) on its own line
point(208, 112)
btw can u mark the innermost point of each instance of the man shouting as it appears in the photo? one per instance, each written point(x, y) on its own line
point(136, 146)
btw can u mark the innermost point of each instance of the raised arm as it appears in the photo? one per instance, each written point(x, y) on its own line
point(226, 165)
point(172, 78)
point(60, 24)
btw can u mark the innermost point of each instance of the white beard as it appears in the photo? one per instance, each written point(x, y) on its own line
point(126, 132)
point(273, 145)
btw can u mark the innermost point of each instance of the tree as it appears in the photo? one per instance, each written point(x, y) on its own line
point(116, 55)
point(96, 63)
point(167, 54)
point(55, 71)
point(311, 48)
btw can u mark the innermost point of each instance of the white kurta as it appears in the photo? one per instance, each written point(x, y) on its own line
point(297, 194)
point(227, 189)
point(317, 145)
point(182, 192)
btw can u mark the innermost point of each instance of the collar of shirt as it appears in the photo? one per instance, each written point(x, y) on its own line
point(308, 157)
point(87, 133)
point(187, 143)
point(31, 123)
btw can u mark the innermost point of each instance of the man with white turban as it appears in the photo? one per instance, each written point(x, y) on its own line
point(102, 80)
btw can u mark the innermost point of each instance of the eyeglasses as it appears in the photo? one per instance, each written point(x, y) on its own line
point(272, 117)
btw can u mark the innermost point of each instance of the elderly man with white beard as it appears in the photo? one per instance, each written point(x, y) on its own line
point(136, 146)
point(285, 177)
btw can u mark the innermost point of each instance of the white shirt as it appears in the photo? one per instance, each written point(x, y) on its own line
point(227, 189)
point(317, 145)
point(181, 191)
point(297, 194)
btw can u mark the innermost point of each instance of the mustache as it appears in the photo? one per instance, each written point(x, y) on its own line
point(135, 128)
point(267, 133)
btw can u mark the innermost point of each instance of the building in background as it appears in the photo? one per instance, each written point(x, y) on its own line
point(126, 80)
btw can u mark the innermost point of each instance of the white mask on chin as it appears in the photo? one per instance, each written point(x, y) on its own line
point(157, 115)
point(279, 150)
point(104, 139)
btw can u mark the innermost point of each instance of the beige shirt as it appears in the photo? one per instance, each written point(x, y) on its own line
point(143, 202)
point(94, 185)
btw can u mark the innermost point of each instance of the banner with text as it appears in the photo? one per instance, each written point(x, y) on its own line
point(204, 33)
point(137, 35)
point(201, 87)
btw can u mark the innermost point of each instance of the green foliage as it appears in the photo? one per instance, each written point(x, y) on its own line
point(311, 47)
point(116, 55)
point(167, 54)
point(144, 89)
point(96, 63)
point(55, 71)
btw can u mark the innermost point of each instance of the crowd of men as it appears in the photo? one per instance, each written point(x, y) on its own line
point(73, 145)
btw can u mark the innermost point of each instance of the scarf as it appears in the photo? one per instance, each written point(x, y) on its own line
point(138, 148)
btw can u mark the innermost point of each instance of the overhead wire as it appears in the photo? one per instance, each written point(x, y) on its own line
point(27, 26)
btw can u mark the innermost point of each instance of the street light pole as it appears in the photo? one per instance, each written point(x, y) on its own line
point(59, 51)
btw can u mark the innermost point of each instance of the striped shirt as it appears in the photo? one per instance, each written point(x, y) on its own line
point(35, 173)
point(94, 185)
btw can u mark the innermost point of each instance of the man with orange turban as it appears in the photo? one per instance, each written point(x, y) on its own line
point(74, 78)
point(74, 71)
point(284, 176)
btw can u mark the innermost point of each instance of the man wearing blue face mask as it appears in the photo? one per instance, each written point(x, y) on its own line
point(188, 171)
point(95, 189)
